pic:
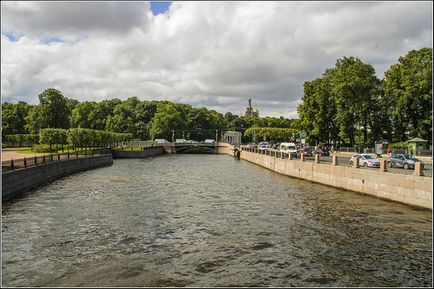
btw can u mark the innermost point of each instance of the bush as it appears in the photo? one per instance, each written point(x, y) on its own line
point(42, 148)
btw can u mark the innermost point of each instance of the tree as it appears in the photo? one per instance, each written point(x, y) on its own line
point(14, 117)
point(166, 119)
point(53, 111)
point(408, 90)
point(353, 85)
point(52, 136)
point(84, 115)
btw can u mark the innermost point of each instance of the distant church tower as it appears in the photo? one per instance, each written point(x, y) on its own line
point(250, 111)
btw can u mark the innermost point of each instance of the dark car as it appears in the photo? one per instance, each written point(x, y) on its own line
point(402, 161)
point(321, 152)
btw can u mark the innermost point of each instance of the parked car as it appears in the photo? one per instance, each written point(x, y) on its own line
point(321, 152)
point(289, 148)
point(263, 145)
point(306, 151)
point(209, 141)
point(252, 145)
point(161, 140)
point(366, 160)
point(180, 140)
point(402, 161)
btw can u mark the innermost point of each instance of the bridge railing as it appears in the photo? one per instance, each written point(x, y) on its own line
point(20, 163)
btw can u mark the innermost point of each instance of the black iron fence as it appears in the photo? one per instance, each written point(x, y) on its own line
point(14, 164)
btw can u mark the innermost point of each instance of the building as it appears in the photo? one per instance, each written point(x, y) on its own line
point(251, 111)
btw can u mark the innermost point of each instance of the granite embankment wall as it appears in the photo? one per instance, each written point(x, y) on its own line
point(408, 189)
point(23, 180)
point(147, 152)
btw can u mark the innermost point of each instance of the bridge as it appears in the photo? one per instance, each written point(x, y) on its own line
point(194, 148)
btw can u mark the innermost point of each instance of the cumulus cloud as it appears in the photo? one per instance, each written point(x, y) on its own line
point(213, 54)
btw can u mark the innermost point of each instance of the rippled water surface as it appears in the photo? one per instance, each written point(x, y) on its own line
point(208, 220)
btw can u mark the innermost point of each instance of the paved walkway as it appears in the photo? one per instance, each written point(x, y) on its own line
point(8, 155)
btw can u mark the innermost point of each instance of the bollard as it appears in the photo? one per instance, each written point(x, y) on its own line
point(36, 161)
point(418, 169)
point(68, 155)
point(290, 156)
point(302, 157)
point(12, 164)
point(76, 154)
point(58, 157)
point(356, 163)
point(25, 162)
point(43, 159)
point(334, 160)
point(383, 165)
point(317, 158)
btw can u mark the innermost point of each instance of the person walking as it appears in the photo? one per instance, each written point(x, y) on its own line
point(389, 151)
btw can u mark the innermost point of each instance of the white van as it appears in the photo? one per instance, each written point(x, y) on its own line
point(161, 140)
point(289, 148)
point(209, 141)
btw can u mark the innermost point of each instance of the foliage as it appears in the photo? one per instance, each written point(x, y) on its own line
point(52, 136)
point(270, 133)
point(398, 145)
point(14, 117)
point(20, 139)
point(84, 137)
point(408, 90)
point(53, 111)
point(42, 148)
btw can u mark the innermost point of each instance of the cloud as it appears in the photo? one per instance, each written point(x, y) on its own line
point(213, 54)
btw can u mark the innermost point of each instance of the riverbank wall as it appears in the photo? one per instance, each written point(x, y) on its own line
point(17, 182)
point(407, 189)
point(146, 152)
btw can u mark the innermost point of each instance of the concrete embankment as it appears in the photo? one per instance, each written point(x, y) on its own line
point(20, 181)
point(408, 189)
point(147, 152)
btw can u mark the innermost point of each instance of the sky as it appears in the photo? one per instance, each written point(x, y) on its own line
point(213, 54)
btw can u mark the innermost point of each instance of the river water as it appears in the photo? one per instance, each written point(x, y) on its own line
point(209, 220)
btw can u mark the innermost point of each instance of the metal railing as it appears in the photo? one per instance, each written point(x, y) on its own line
point(15, 164)
point(341, 160)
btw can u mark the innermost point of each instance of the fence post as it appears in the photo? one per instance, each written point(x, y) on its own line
point(85, 153)
point(12, 164)
point(418, 169)
point(25, 162)
point(43, 159)
point(383, 165)
point(68, 155)
point(58, 157)
point(302, 157)
point(356, 163)
point(76, 154)
point(317, 158)
point(36, 160)
point(334, 160)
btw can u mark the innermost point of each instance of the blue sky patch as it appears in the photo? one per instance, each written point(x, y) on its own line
point(158, 7)
point(12, 36)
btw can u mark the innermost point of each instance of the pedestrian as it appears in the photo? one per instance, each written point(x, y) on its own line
point(411, 152)
point(389, 151)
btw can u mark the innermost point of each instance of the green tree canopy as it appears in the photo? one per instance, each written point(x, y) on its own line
point(408, 90)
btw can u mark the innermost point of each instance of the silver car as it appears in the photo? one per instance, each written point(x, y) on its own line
point(366, 160)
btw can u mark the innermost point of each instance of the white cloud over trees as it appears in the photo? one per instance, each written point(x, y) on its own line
point(214, 54)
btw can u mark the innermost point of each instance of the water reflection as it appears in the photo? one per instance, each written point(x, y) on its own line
point(207, 220)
